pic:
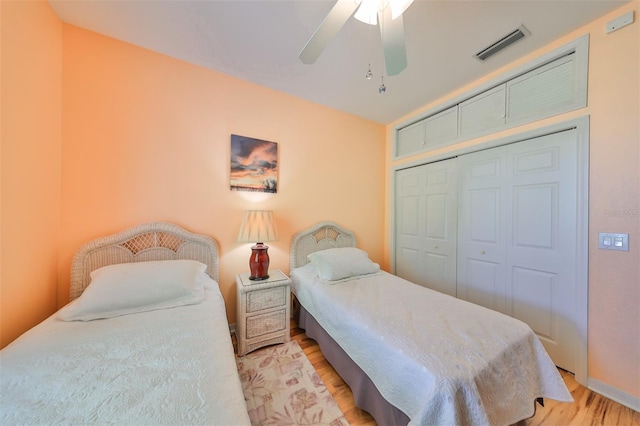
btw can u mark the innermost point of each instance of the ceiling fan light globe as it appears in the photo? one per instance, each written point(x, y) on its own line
point(368, 12)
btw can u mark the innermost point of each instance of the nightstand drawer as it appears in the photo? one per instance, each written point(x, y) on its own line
point(265, 299)
point(266, 323)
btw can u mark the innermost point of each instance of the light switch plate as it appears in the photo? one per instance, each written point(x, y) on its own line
point(610, 241)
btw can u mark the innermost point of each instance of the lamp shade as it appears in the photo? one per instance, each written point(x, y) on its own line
point(257, 226)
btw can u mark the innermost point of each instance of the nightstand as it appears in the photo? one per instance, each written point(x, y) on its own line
point(263, 311)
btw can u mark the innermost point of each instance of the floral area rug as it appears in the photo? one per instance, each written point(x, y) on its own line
point(281, 387)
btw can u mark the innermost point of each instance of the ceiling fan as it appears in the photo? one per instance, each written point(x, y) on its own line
point(387, 12)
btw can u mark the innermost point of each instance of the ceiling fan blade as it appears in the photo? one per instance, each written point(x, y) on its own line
point(332, 23)
point(392, 32)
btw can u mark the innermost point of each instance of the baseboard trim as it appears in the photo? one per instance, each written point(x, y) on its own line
point(614, 394)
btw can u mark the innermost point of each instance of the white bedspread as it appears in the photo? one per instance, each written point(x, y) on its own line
point(439, 359)
point(173, 366)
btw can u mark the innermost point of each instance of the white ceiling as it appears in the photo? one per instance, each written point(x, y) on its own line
point(259, 41)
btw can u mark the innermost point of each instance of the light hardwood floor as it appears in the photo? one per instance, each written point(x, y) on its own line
point(589, 407)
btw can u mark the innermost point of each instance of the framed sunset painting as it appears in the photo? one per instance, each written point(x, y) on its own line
point(254, 164)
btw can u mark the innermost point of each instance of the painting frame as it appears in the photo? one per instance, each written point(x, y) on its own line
point(253, 165)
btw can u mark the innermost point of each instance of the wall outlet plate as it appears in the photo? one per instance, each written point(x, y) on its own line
point(610, 241)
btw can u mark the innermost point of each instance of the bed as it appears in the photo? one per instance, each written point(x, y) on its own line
point(145, 339)
point(412, 355)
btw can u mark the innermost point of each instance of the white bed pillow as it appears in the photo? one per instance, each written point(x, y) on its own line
point(340, 263)
point(129, 288)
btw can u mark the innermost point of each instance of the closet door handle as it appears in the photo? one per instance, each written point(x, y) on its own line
point(482, 252)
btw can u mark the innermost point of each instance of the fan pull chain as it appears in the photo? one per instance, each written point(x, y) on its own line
point(382, 89)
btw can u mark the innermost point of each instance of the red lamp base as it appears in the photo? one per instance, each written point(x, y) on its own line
point(259, 262)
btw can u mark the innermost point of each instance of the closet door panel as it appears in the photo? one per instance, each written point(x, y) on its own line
point(543, 91)
point(483, 112)
point(542, 244)
point(408, 262)
point(439, 226)
point(408, 183)
point(484, 215)
point(427, 254)
point(436, 208)
point(481, 228)
point(535, 207)
point(531, 298)
point(410, 139)
point(442, 128)
point(517, 236)
point(483, 282)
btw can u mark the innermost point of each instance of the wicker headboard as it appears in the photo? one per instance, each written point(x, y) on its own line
point(150, 241)
point(322, 236)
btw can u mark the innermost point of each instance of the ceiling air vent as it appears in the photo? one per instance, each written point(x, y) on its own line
point(505, 41)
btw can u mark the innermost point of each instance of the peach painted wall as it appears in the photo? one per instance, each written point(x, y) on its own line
point(30, 164)
point(614, 193)
point(147, 138)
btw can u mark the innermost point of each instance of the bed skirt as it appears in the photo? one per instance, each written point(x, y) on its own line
point(365, 393)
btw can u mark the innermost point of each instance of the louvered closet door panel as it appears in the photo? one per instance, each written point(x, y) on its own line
point(442, 128)
point(543, 91)
point(410, 139)
point(481, 228)
point(426, 198)
point(483, 112)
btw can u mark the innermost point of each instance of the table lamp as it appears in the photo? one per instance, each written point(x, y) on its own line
point(258, 226)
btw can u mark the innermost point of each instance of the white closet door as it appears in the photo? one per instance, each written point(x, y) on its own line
point(517, 236)
point(426, 206)
point(481, 228)
point(542, 240)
